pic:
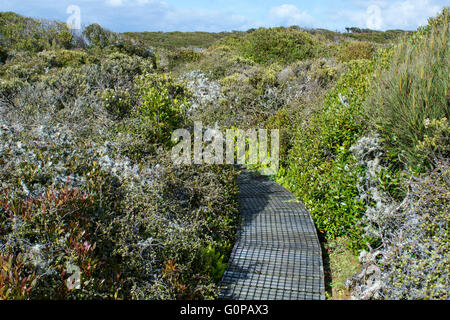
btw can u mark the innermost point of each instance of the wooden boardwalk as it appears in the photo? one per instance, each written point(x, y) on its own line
point(277, 255)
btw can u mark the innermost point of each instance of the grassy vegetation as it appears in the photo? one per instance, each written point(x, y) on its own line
point(171, 40)
point(341, 263)
point(409, 103)
point(86, 176)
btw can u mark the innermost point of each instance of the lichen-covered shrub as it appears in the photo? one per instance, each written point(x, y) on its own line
point(416, 259)
point(120, 223)
point(412, 258)
point(244, 98)
point(86, 180)
point(136, 230)
point(205, 92)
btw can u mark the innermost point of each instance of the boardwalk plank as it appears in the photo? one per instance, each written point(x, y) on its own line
point(277, 255)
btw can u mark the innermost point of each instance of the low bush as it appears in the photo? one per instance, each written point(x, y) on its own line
point(354, 50)
point(20, 33)
point(118, 103)
point(64, 58)
point(411, 261)
point(137, 229)
point(162, 109)
point(321, 169)
point(173, 40)
point(182, 56)
point(284, 45)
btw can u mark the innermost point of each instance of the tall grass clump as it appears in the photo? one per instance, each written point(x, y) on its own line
point(409, 101)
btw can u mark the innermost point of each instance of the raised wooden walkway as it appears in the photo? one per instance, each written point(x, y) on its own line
point(277, 255)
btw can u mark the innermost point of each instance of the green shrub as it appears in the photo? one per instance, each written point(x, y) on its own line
point(321, 169)
point(267, 46)
point(98, 37)
point(214, 262)
point(218, 63)
point(160, 109)
point(9, 89)
point(118, 103)
point(20, 33)
point(323, 73)
point(354, 50)
point(412, 92)
point(163, 105)
point(172, 40)
point(26, 67)
point(182, 56)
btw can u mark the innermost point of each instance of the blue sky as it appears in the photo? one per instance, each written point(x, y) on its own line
point(227, 15)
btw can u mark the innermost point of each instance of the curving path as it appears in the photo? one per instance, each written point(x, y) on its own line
point(277, 255)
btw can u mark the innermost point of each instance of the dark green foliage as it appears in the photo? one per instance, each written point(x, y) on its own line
point(267, 46)
point(321, 170)
point(99, 37)
point(3, 54)
point(161, 110)
point(118, 102)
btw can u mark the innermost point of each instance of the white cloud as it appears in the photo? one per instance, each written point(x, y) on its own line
point(409, 13)
point(177, 19)
point(133, 3)
point(158, 15)
point(114, 3)
point(394, 14)
point(288, 15)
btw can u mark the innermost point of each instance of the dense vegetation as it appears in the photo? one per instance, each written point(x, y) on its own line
point(172, 40)
point(86, 176)
point(86, 181)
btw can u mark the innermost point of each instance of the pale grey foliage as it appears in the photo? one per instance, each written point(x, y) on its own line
point(413, 260)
